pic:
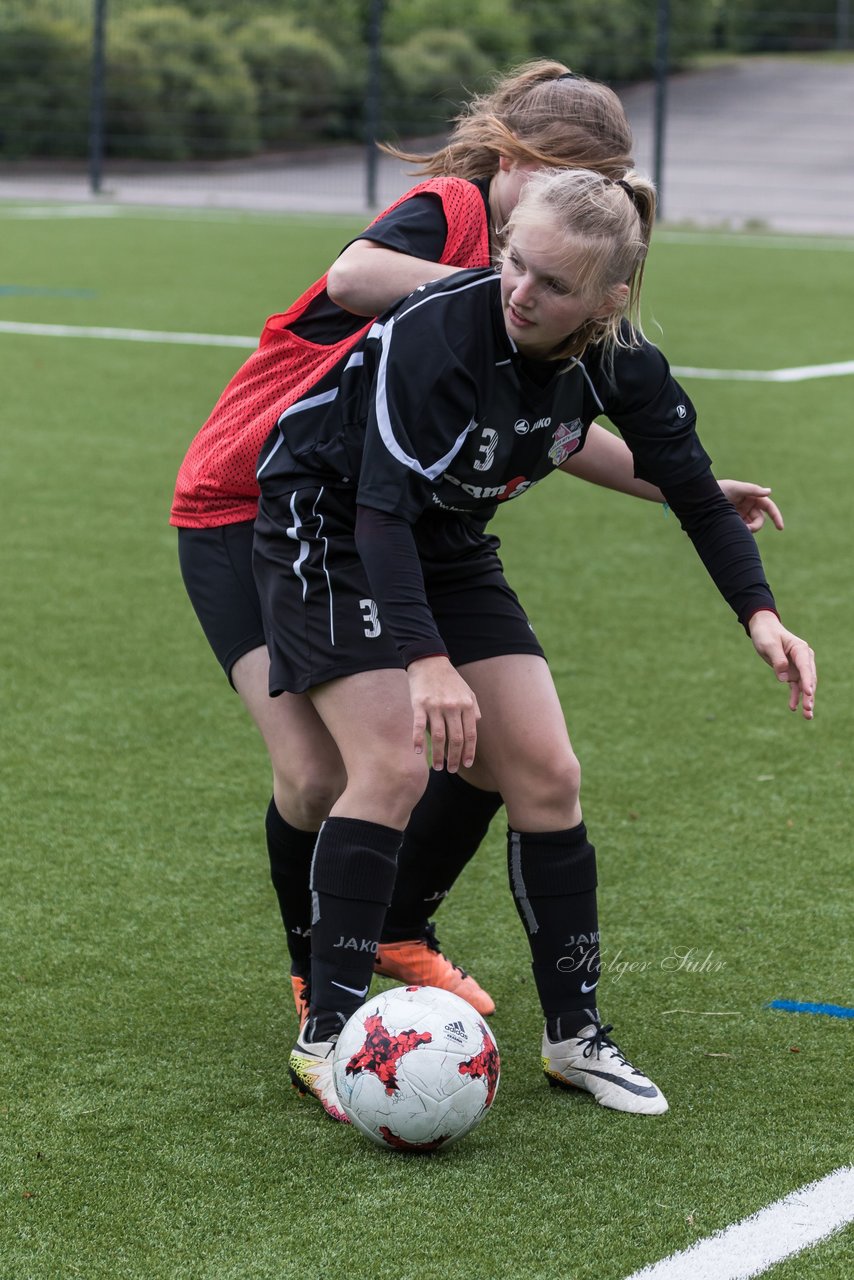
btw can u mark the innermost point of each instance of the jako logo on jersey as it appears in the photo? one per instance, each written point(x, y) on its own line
point(522, 427)
point(681, 411)
point(565, 441)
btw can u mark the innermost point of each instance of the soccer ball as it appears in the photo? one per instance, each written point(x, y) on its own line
point(416, 1068)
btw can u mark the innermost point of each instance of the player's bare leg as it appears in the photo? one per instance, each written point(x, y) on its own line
point(523, 742)
point(308, 781)
point(369, 715)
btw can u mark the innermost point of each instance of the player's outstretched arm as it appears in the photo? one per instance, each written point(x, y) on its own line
point(606, 460)
point(791, 658)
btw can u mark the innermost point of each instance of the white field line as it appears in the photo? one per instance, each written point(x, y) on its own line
point(128, 335)
point(750, 240)
point(61, 211)
point(168, 213)
point(751, 1246)
point(799, 374)
point(802, 373)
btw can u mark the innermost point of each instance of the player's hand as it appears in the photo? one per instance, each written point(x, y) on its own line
point(753, 503)
point(444, 706)
point(792, 659)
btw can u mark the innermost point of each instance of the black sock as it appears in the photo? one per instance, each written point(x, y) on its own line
point(290, 853)
point(445, 829)
point(553, 879)
point(352, 878)
point(569, 1024)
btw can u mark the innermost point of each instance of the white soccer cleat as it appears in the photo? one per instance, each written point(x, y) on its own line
point(310, 1067)
point(591, 1061)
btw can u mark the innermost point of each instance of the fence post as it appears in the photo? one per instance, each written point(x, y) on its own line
point(373, 99)
point(662, 41)
point(96, 101)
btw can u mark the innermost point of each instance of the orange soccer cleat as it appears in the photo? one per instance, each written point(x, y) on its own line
point(420, 962)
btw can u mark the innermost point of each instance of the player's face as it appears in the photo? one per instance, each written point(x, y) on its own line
point(538, 294)
point(506, 188)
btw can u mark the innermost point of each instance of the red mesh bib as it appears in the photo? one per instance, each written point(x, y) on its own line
point(216, 483)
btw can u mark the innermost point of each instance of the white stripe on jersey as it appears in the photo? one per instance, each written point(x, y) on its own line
point(325, 397)
point(310, 402)
point(462, 287)
point(275, 449)
point(387, 430)
point(579, 364)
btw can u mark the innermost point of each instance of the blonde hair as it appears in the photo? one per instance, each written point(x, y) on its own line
point(611, 222)
point(537, 114)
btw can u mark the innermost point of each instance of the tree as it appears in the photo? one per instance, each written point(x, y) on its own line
point(300, 79)
point(184, 80)
point(44, 86)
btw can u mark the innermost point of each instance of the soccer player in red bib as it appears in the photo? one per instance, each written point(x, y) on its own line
point(386, 609)
point(541, 115)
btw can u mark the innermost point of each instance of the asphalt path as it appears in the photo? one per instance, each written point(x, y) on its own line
point(763, 142)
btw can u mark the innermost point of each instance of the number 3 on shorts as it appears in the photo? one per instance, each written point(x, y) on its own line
point(369, 615)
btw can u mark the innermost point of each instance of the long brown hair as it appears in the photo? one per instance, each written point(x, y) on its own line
point(538, 114)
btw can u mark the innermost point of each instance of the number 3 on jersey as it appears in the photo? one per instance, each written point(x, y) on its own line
point(369, 615)
point(489, 443)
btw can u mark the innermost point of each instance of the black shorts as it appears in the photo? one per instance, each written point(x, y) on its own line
point(216, 565)
point(319, 618)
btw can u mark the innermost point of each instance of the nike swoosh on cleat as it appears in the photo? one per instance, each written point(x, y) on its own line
point(352, 990)
point(643, 1091)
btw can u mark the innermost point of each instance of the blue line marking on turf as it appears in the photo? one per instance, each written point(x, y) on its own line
point(798, 1006)
point(40, 291)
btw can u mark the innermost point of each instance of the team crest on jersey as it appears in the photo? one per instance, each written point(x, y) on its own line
point(565, 441)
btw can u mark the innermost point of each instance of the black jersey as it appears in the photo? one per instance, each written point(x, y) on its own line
point(437, 409)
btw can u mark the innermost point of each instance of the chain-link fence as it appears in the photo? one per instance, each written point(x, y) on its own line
point(276, 101)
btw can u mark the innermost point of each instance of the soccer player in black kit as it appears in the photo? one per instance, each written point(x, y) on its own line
point(540, 115)
point(385, 604)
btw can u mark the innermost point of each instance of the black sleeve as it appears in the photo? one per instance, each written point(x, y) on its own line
point(417, 227)
point(654, 416)
point(724, 544)
point(387, 549)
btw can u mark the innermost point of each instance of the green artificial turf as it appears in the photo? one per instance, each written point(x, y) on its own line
point(147, 1128)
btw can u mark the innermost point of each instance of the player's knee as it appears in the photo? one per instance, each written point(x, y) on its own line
point(405, 782)
point(390, 788)
point(305, 793)
point(549, 783)
point(569, 778)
